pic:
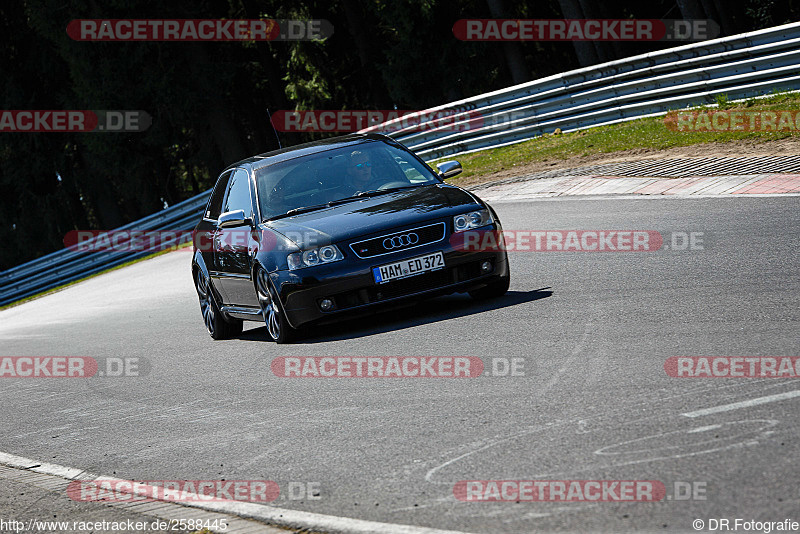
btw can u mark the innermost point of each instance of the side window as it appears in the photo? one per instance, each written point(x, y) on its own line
point(239, 197)
point(215, 205)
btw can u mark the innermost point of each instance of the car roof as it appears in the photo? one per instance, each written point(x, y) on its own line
point(276, 156)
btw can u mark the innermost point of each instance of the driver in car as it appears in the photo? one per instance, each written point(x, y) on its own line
point(359, 174)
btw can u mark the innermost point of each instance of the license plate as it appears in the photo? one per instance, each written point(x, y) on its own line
point(409, 267)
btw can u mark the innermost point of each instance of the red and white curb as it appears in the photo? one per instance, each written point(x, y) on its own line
point(696, 186)
point(237, 514)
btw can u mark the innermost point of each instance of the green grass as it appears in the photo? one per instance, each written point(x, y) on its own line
point(648, 133)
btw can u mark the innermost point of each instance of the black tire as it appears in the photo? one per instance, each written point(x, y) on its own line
point(278, 328)
point(493, 290)
point(217, 325)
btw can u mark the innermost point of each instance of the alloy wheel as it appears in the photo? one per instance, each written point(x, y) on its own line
point(206, 306)
point(269, 308)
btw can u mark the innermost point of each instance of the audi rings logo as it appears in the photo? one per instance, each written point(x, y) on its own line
point(400, 241)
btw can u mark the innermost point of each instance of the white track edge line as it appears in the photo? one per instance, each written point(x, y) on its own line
point(268, 514)
point(743, 404)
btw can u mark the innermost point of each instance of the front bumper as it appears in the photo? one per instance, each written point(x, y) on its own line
point(352, 287)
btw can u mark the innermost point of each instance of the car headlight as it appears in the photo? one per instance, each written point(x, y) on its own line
point(473, 219)
point(314, 256)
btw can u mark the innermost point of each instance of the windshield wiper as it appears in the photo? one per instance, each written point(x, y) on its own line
point(376, 192)
point(344, 200)
point(297, 211)
point(365, 194)
point(306, 209)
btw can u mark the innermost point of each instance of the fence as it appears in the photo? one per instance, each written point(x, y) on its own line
point(740, 66)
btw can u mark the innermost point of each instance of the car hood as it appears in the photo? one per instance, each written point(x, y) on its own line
point(383, 213)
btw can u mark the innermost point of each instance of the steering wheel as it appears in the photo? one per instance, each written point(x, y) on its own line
point(390, 185)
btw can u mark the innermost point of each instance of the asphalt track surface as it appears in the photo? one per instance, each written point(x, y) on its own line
point(595, 403)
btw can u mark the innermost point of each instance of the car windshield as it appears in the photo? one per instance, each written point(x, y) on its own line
point(318, 179)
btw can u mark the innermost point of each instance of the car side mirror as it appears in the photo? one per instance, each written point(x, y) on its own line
point(232, 219)
point(448, 169)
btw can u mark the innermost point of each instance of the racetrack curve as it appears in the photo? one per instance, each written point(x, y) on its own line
point(594, 330)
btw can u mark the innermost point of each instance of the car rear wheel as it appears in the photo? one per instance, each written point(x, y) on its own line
point(217, 325)
point(278, 328)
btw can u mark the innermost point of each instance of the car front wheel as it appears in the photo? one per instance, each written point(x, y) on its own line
point(278, 328)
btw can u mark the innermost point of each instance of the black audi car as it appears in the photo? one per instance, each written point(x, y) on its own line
point(315, 232)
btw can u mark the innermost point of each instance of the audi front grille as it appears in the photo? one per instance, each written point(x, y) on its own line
point(397, 241)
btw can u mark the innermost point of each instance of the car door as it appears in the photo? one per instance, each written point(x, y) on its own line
point(234, 247)
point(207, 229)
